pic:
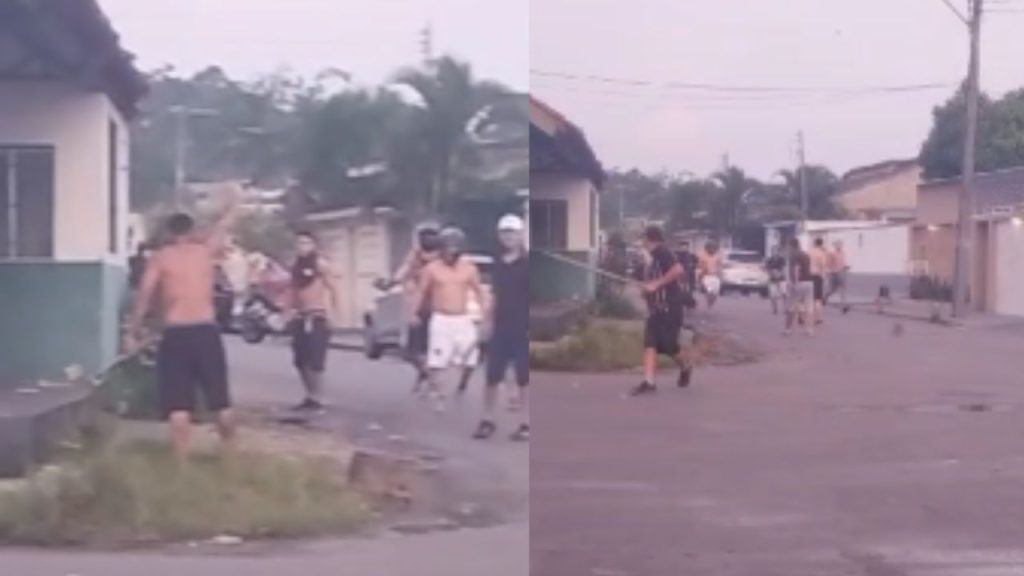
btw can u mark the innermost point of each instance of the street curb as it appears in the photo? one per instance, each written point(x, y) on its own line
point(868, 309)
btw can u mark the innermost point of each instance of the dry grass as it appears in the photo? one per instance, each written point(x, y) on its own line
point(137, 493)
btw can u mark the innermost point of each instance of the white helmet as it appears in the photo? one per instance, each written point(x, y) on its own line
point(511, 222)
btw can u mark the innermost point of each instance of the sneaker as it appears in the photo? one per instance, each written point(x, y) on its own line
point(522, 434)
point(310, 405)
point(485, 430)
point(643, 388)
point(685, 375)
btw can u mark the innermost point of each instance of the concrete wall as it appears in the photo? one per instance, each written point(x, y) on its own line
point(937, 205)
point(76, 123)
point(55, 315)
point(582, 206)
point(894, 192)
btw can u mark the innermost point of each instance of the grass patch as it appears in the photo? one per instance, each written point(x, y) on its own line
point(137, 494)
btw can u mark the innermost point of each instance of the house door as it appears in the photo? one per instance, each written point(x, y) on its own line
point(1009, 269)
point(26, 201)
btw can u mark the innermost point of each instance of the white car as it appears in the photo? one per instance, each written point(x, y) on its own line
point(744, 272)
point(386, 323)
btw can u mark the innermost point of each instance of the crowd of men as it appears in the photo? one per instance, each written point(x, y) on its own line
point(176, 281)
point(800, 283)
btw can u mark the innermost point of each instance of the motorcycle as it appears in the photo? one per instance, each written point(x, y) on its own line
point(260, 318)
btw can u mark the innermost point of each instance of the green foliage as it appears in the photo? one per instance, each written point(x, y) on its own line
point(595, 347)
point(134, 493)
point(1000, 141)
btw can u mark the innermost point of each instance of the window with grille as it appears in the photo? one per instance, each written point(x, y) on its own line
point(549, 224)
point(26, 201)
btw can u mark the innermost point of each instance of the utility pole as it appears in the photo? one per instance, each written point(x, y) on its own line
point(427, 43)
point(965, 220)
point(802, 174)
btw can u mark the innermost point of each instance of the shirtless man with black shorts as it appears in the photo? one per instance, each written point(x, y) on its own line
point(313, 296)
point(408, 275)
point(179, 278)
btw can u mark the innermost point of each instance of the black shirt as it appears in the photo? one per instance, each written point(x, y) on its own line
point(776, 266)
point(690, 264)
point(668, 298)
point(511, 284)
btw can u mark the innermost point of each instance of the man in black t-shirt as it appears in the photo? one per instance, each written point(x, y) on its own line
point(665, 311)
point(510, 340)
point(800, 288)
point(775, 265)
point(690, 264)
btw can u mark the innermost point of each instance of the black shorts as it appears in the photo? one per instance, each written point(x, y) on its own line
point(661, 332)
point(417, 340)
point(819, 288)
point(311, 337)
point(191, 359)
point(504, 351)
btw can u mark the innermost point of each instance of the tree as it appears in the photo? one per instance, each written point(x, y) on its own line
point(822, 185)
point(1000, 141)
point(451, 98)
point(726, 206)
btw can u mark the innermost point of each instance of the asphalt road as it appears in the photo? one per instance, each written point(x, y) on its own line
point(374, 406)
point(871, 450)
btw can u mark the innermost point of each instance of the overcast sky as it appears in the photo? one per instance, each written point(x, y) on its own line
point(369, 38)
point(758, 43)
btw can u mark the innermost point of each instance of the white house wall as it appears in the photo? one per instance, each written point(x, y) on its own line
point(879, 250)
point(582, 207)
point(1008, 271)
point(75, 123)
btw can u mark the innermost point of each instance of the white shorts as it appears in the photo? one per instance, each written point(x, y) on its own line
point(712, 285)
point(453, 341)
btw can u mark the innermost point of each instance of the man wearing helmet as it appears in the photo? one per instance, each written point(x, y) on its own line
point(424, 252)
point(446, 284)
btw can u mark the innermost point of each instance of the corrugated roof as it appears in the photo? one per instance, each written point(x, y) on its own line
point(994, 189)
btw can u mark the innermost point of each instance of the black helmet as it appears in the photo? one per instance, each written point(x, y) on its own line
point(427, 237)
point(452, 239)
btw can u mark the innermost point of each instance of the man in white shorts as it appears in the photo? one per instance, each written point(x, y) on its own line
point(711, 273)
point(453, 339)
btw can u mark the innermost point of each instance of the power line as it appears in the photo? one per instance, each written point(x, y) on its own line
point(737, 88)
point(953, 8)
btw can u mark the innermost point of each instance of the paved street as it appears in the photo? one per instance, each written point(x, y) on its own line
point(493, 476)
point(866, 451)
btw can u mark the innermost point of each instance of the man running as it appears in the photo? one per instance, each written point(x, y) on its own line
point(819, 270)
point(711, 273)
point(510, 340)
point(799, 289)
point(448, 283)
point(775, 265)
point(665, 311)
point(691, 266)
point(313, 295)
point(191, 358)
point(424, 252)
point(838, 269)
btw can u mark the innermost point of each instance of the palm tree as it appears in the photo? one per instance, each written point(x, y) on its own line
point(822, 185)
point(451, 99)
point(733, 189)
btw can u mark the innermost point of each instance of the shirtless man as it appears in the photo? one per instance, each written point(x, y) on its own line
point(408, 275)
point(819, 271)
point(448, 282)
point(837, 268)
point(711, 273)
point(191, 358)
point(313, 296)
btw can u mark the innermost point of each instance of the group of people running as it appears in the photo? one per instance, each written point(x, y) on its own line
point(178, 284)
point(803, 282)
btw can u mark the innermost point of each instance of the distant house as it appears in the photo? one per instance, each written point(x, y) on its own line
point(363, 245)
point(997, 278)
point(565, 181)
point(67, 93)
point(883, 191)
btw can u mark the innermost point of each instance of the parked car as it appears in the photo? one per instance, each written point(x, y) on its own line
point(386, 323)
point(744, 272)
